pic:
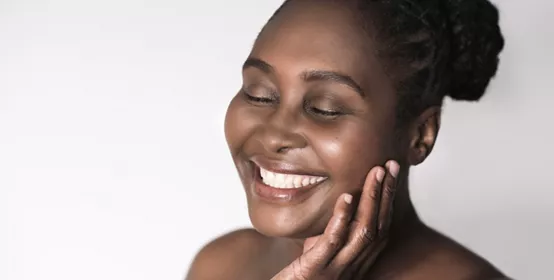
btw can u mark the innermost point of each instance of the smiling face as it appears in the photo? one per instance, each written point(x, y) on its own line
point(316, 105)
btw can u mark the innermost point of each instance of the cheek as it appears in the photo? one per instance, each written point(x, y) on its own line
point(350, 152)
point(238, 124)
point(230, 122)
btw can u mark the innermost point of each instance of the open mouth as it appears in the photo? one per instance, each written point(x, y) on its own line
point(286, 180)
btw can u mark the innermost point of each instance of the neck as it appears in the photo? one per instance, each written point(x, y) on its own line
point(404, 214)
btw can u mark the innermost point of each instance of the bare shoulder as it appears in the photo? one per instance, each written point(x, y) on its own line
point(230, 256)
point(459, 263)
point(447, 259)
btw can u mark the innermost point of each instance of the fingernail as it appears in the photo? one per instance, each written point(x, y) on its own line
point(348, 198)
point(394, 168)
point(380, 175)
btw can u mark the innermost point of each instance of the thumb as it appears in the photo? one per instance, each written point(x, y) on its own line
point(310, 242)
point(316, 258)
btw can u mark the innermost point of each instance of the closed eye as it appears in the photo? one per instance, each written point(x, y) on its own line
point(325, 112)
point(256, 99)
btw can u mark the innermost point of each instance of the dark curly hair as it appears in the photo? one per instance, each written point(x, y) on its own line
point(433, 48)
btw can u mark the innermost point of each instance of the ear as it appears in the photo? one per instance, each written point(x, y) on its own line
point(423, 134)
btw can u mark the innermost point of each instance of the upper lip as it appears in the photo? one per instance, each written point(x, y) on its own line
point(283, 167)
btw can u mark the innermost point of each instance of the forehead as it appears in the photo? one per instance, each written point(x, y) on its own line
point(309, 35)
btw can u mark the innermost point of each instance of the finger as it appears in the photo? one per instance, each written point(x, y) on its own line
point(387, 197)
point(365, 219)
point(330, 242)
point(364, 226)
point(363, 263)
point(309, 243)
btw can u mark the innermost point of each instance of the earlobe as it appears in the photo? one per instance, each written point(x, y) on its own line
point(423, 135)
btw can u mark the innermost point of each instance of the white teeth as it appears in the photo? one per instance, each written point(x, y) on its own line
point(279, 179)
point(288, 181)
point(298, 181)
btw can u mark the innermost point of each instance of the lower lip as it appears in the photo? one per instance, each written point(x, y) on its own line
point(277, 195)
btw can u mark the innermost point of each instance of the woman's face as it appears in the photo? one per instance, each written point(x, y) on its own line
point(315, 114)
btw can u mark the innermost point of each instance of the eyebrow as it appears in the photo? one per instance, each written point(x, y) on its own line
point(322, 75)
point(309, 75)
point(258, 63)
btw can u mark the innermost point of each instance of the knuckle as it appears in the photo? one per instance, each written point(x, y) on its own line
point(342, 217)
point(383, 229)
point(374, 193)
point(365, 235)
point(389, 190)
point(381, 226)
point(299, 270)
point(334, 242)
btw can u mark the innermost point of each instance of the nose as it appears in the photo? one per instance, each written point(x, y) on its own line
point(280, 133)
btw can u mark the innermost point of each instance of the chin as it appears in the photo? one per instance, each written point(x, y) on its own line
point(286, 222)
point(279, 209)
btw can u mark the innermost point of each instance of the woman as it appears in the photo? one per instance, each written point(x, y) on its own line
point(339, 99)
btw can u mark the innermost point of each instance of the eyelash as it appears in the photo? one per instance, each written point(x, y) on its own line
point(257, 99)
point(315, 110)
point(325, 112)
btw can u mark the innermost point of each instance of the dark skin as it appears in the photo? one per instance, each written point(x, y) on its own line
point(314, 96)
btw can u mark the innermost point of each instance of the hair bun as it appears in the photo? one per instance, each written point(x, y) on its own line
point(476, 41)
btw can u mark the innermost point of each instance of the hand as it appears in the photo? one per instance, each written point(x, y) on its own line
point(349, 246)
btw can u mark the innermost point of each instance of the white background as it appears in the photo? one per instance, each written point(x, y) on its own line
point(113, 163)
